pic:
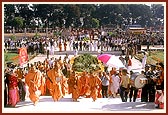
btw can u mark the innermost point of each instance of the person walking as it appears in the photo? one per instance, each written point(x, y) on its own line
point(94, 82)
point(124, 85)
point(144, 60)
point(115, 84)
point(133, 90)
point(55, 75)
point(105, 83)
point(33, 81)
point(73, 84)
point(13, 89)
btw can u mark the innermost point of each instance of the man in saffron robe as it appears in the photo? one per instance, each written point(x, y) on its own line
point(73, 86)
point(55, 82)
point(60, 46)
point(65, 45)
point(33, 80)
point(43, 84)
point(83, 84)
point(94, 82)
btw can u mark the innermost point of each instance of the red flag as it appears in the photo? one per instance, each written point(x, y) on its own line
point(23, 57)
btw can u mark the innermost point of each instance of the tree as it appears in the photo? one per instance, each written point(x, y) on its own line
point(95, 23)
point(25, 11)
point(60, 15)
point(158, 14)
point(18, 22)
point(9, 14)
point(72, 15)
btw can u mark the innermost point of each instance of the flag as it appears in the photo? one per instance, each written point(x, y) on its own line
point(23, 57)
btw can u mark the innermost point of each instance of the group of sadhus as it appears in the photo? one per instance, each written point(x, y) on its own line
point(48, 79)
point(78, 84)
point(86, 84)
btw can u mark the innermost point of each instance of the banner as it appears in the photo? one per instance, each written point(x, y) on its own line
point(23, 57)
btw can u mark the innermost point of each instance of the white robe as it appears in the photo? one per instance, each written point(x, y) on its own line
point(144, 61)
point(115, 84)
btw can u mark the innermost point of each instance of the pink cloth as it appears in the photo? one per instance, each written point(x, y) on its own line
point(159, 98)
point(13, 97)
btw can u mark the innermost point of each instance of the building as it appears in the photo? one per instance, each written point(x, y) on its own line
point(136, 29)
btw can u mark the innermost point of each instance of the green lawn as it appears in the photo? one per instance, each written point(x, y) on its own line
point(153, 57)
point(10, 57)
point(14, 57)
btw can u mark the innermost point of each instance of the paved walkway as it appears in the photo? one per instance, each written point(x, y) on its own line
point(84, 105)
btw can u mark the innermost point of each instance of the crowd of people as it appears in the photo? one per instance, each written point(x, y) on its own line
point(86, 40)
point(56, 78)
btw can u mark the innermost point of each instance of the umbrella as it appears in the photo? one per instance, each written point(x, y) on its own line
point(111, 60)
point(104, 57)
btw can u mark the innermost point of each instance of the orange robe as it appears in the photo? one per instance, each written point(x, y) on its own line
point(94, 82)
point(33, 80)
point(65, 46)
point(55, 85)
point(99, 89)
point(83, 85)
point(60, 46)
point(43, 87)
point(73, 87)
point(64, 84)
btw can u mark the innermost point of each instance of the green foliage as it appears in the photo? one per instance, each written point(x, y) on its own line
point(18, 22)
point(54, 14)
point(85, 62)
point(95, 23)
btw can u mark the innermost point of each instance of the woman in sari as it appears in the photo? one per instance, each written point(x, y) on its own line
point(13, 89)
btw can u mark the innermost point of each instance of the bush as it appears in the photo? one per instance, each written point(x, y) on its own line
point(86, 62)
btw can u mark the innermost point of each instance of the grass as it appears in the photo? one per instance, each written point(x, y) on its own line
point(11, 57)
point(152, 57)
point(14, 57)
